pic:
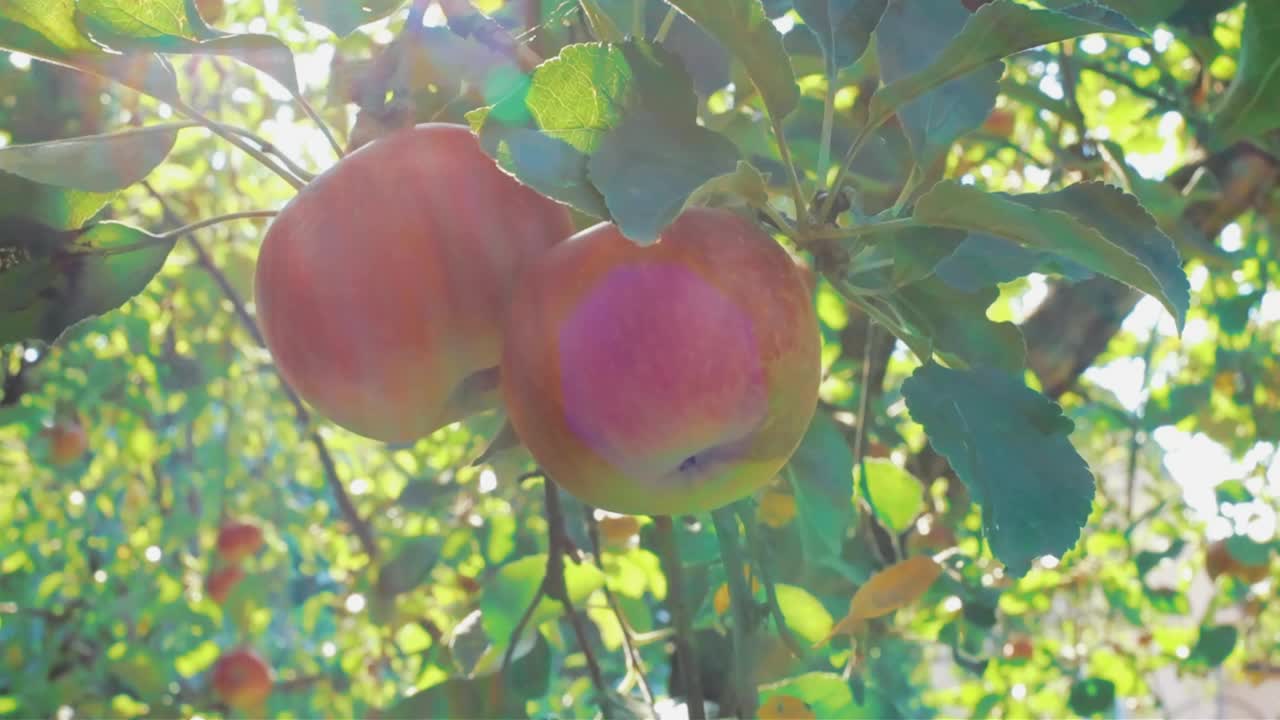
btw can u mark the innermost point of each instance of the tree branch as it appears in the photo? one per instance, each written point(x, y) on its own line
point(362, 529)
point(669, 553)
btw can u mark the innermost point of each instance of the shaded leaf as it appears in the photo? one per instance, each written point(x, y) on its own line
point(1009, 444)
point(1213, 646)
point(1249, 108)
point(51, 279)
point(984, 260)
point(912, 34)
point(1096, 225)
point(997, 30)
point(344, 16)
point(843, 27)
point(956, 326)
point(743, 27)
point(821, 477)
point(95, 163)
point(1092, 696)
point(410, 566)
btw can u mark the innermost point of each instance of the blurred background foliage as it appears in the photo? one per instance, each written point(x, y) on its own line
point(104, 558)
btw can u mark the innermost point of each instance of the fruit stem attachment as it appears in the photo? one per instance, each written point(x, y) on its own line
point(797, 195)
point(192, 227)
point(743, 604)
point(669, 553)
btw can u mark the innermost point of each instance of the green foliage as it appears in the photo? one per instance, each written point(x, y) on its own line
point(1048, 445)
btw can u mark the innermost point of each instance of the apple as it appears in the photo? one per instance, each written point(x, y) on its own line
point(1218, 560)
point(1000, 123)
point(222, 582)
point(1018, 647)
point(242, 679)
point(382, 286)
point(68, 442)
point(668, 379)
point(238, 540)
point(211, 11)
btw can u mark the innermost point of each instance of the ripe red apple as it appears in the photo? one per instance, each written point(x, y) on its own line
point(1018, 647)
point(68, 442)
point(1218, 560)
point(238, 540)
point(382, 287)
point(667, 379)
point(222, 582)
point(1000, 123)
point(242, 679)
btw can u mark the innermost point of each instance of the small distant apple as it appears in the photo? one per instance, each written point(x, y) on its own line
point(68, 442)
point(242, 679)
point(222, 582)
point(238, 540)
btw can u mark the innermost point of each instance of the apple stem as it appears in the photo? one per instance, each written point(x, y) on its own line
point(743, 604)
point(669, 552)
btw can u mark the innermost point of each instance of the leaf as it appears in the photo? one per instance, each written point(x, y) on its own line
point(1249, 108)
point(821, 477)
point(1144, 13)
point(896, 495)
point(995, 31)
point(804, 613)
point(913, 33)
point(1092, 696)
point(843, 27)
point(95, 163)
point(617, 122)
point(501, 694)
point(166, 26)
point(410, 566)
point(889, 590)
point(984, 260)
point(513, 587)
point(344, 16)
point(47, 29)
point(51, 279)
point(1213, 646)
point(824, 695)
point(957, 327)
point(1148, 559)
point(743, 27)
point(1009, 444)
point(912, 254)
point(1096, 225)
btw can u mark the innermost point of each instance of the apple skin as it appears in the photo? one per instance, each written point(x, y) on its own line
point(667, 379)
point(68, 442)
point(382, 286)
point(222, 582)
point(1218, 560)
point(242, 679)
point(237, 541)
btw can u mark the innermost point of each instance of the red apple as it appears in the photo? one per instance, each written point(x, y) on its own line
point(242, 679)
point(382, 287)
point(1018, 647)
point(222, 582)
point(1000, 123)
point(68, 442)
point(237, 541)
point(667, 379)
point(1218, 560)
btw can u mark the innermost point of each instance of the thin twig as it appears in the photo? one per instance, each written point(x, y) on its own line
point(466, 21)
point(265, 145)
point(554, 582)
point(797, 195)
point(205, 261)
point(320, 123)
point(743, 606)
point(669, 553)
point(635, 664)
point(667, 21)
point(234, 138)
point(518, 630)
point(207, 222)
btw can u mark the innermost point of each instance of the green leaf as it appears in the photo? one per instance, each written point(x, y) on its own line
point(955, 324)
point(911, 255)
point(995, 31)
point(627, 116)
point(51, 279)
point(95, 163)
point(500, 694)
point(1092, 696)
point(1148, 559)
point(804, 613)
point(843, 27)
point(1248, 551)
point(172, 26)
point(410, 566)
point(984, 260)
point(1096, 225)
point(743, 27)
point(1249, 108)
point(821, 477)
point(1213, 646)
point(1009, 446)
point(1144, 13)
point(47, 29)
point(344, 16)
point(513, 587)
point(827, 695)
point(896, 495)
point(912, 34)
